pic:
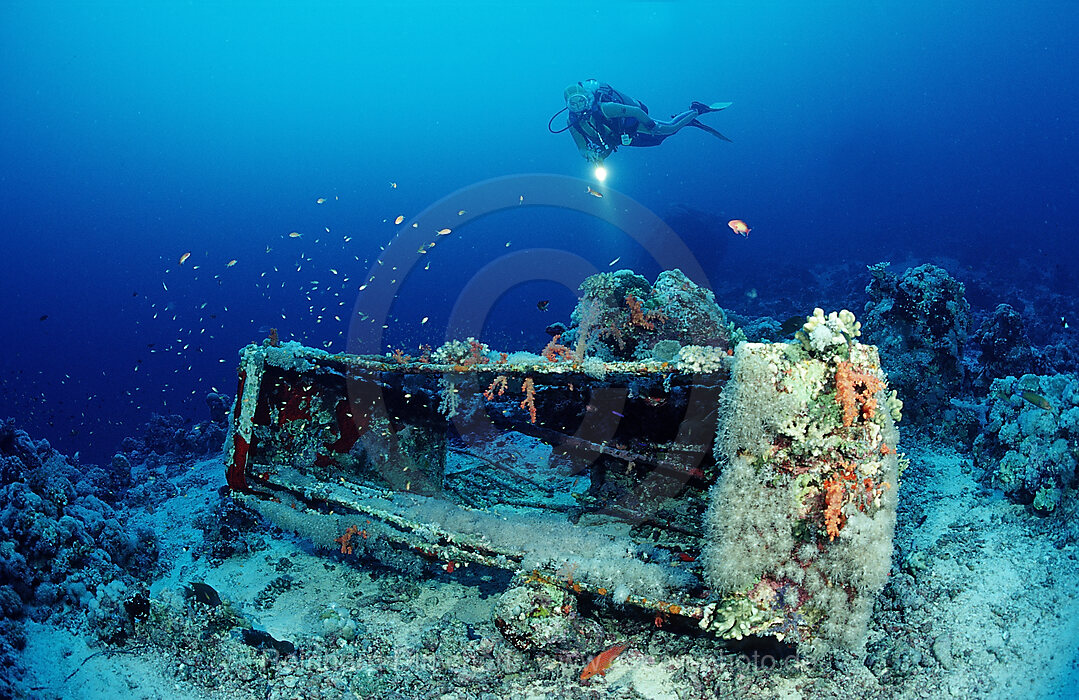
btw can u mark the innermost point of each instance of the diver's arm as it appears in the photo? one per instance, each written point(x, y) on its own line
point(586, 150)
point(582, 144)
point(613, 110)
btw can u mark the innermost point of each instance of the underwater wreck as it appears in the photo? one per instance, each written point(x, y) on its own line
point(648, 461)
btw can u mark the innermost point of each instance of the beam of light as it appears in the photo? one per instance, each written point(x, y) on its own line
point(601, 173)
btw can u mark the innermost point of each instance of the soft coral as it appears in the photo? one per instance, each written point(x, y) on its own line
point(854, 387)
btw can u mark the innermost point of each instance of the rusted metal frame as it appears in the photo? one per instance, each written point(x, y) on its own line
point(460, 548)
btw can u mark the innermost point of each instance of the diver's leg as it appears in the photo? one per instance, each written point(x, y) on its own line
point(668, 128)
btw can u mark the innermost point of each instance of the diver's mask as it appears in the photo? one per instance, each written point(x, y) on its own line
point(579, 103)
point(578, 98)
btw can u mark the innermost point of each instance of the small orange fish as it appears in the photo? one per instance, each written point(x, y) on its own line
point(601, 662)
point(739, 227)
point(230, 263)
point(184, 257)
point(595, 193)
point(444, 231)
point(295, 234)
point(399, 219)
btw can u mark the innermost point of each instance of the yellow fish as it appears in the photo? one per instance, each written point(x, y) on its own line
point(399, 219)
point(444, 231)
point(184, 257)
point(461, 213)
point(320, 200)
point(594, 193)
point(295, 234)
point(230, 263)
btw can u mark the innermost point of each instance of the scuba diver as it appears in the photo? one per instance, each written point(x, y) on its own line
point(601, 119)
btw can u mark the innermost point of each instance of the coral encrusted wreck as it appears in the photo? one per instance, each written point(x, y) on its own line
point(807, 446)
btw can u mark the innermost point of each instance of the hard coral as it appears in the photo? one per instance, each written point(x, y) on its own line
point(920, 321)
point(1028, 449)
point(618, 316)
point(1006, 350)
point(829, 336)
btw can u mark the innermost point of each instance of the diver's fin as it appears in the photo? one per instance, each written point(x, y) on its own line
point(709, 129)
point(702, 108)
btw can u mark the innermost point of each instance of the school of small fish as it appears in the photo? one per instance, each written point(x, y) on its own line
point(326, 295)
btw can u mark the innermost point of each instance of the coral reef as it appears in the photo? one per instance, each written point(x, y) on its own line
point(920, 321)
point(620, 316)
point(1006, 350)
point(539, 616)
point(831, 336)
point(179, 437)
point(1028, 448)
point(702, 359)
point(62, 548)
point(461, 352)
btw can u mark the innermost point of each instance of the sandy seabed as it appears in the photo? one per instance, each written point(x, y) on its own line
point(983, 601)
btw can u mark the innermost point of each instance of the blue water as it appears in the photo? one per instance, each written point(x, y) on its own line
point(132, 133)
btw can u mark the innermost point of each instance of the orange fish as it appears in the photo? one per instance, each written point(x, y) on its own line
point(184, 257)
point(594, 193)
point(739, 227)
point(602, 662)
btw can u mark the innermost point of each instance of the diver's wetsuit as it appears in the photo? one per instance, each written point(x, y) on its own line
point(614, 114)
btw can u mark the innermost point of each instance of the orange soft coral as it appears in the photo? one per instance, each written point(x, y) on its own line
point(497, 388)
point(856, 392)
point(555, 350)
point(843, 481)
point(833, 510)
point(529, 388)
point(637, 316)
point(346, 538)
point(476, 354)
